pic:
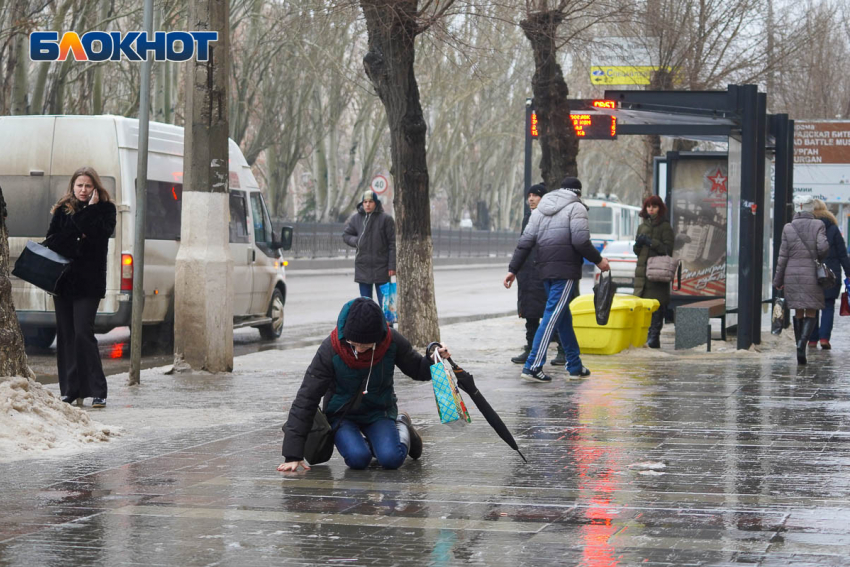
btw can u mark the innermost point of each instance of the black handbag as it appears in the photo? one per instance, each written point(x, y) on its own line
point(319, 445)
point(41, 266)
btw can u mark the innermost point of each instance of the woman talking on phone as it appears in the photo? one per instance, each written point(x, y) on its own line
point(83, 220)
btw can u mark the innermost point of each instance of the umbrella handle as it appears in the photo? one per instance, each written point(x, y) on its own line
point(429, 352)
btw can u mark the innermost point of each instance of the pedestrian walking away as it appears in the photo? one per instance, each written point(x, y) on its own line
point(83, 220)
point(560, 230)
point(352, 375)
point(372, 232)
point(803, 242)
point(531, 295)
point(836, 259)
point(654, 238)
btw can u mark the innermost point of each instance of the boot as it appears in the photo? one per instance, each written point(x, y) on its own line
point(408, 435)
point(653, 338)
point(806, 328)
point(801, 340)
point(560, 358)
point(523, 356)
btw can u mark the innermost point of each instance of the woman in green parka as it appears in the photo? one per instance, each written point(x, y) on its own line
point(654, 238)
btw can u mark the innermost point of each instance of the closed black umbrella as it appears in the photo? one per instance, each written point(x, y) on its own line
point(466, 383)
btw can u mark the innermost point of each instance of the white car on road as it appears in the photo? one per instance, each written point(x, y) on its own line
point(622, 260)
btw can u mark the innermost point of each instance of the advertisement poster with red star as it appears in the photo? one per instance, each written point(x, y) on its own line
point(699, 218)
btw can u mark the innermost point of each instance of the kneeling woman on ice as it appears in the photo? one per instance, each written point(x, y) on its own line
point(353, 371)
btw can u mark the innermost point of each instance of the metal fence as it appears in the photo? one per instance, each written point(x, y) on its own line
point(324, 240)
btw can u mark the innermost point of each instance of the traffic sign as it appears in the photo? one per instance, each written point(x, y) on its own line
point(380, 184)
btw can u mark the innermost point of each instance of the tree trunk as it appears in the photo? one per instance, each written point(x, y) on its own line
point(392, 29)
point(13, 359)
point(203, 304)
point(557, 138)
point(20, 61)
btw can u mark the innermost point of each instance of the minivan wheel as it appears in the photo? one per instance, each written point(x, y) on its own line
point(39, 337)
point(274, 329)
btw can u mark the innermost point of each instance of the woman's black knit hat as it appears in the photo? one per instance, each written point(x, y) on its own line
point(365, 322)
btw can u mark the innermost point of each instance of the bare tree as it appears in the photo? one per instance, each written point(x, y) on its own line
point(13, 359)
point(393, 26)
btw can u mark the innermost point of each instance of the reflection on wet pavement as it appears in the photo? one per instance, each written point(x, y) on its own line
point(655, 460)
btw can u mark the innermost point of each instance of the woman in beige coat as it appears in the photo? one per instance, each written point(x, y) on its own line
point(803, 242)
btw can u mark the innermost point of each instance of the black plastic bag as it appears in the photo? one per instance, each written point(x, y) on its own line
point(778, 318)
point(603, 297)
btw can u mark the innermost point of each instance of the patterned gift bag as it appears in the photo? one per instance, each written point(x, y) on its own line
point(449, 401)
point(389, 292)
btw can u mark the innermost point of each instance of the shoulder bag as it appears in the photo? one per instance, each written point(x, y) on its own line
point(825, 276)
point(41, 266)
point(319, 445)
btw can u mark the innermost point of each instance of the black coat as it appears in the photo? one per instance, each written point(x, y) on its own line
point(86, 277)
point(836, 259)
point(320, 381)
point(374, 237)
point(531, 295)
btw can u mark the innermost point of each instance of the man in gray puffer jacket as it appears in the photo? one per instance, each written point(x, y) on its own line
point(559, 227)
point(372, 232)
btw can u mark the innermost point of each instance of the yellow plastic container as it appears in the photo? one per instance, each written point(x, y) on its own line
point(643, 317)
point(627, 325)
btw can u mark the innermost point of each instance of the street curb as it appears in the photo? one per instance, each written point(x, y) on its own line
point(344, 266)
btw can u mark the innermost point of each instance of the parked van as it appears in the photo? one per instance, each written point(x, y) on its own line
point(38, 155)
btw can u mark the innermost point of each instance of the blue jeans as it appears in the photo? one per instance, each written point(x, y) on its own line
point(556, 318)
point(366, 291)
point(827, 317)
point(383, 438)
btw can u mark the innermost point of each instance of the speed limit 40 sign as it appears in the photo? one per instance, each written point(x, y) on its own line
point(380, 184)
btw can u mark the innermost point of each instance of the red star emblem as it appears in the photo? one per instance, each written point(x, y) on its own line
point(718, 181)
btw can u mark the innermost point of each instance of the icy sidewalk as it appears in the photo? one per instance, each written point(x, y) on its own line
point(657, 458)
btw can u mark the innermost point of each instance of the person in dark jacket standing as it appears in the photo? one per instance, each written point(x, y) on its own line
point(83, 220)
point(372, 232)
point(560, 230)
point(531, 295)
point(654, 238)
point(836, 259)
point(803, 242)
point(354, 367)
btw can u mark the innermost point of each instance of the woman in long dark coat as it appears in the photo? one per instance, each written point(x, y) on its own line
point(83, 220)
point(803, 242)
point(836, 259)
point(654, 238)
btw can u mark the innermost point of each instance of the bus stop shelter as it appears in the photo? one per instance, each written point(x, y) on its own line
point(738, 117)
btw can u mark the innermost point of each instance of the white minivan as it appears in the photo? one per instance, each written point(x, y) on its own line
point(38, 155)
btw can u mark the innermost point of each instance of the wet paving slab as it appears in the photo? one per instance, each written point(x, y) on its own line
point(656, 459)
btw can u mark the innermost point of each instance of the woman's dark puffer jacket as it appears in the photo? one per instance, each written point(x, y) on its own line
point(327, 376)
point(661, 234)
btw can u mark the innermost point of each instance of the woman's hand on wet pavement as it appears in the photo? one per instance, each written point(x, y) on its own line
point(292, 466)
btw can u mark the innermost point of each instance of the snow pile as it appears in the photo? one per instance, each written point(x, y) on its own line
point(35, 422)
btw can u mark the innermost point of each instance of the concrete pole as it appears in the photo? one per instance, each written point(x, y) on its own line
point(203, 294)
point(141, 206)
